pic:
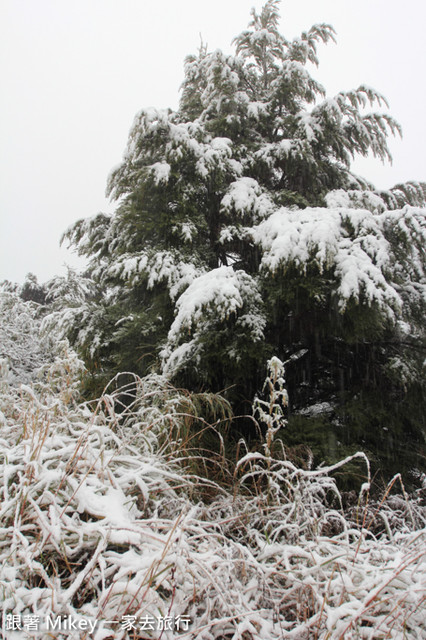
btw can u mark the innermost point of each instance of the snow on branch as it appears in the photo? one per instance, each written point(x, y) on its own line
point(350, 243)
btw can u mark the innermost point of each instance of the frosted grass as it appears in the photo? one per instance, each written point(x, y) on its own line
point(101, 518)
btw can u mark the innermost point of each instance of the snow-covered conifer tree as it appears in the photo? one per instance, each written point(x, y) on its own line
point(241, 233)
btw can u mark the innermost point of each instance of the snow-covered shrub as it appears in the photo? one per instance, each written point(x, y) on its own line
point(21, 341)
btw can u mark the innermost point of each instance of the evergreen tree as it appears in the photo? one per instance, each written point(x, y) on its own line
point(32, 290)
point(241, 234)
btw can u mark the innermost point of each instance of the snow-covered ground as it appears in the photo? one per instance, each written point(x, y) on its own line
point(108, 532)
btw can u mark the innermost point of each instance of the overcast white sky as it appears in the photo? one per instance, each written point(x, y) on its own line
point(73, 75)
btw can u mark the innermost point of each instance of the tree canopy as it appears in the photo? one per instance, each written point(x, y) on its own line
point(241, 233)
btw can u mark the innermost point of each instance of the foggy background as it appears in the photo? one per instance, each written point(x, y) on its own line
point(74, 74)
